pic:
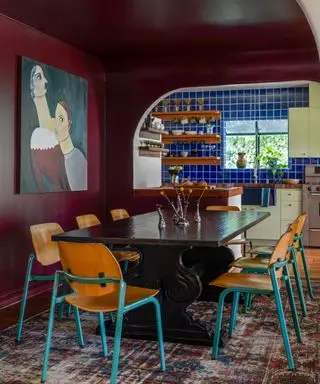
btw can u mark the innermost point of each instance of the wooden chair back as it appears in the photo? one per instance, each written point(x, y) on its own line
point(46, 250)
point(91, 260)
point(292, 228)
point(301, 221)
point(85, 221)
point(224, 208)
point(280, 252)
point(119, 214)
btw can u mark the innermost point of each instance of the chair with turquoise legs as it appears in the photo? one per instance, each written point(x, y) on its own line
point(263, 284)
point(124, 255)
point(300, 249)
point(97, 285)
point(244, 242)
point(46, 253)
point(259, 264)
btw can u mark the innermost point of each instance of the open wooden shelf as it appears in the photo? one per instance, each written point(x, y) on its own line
point(191, 160)
point(168, 116)
point(152, 151)
point(159, 131)
point(210, 139)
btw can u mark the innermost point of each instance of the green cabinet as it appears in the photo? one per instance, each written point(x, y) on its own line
point(299, 138)
point(304, 132)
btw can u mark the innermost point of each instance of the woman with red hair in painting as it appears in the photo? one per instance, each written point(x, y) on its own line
point(46, 156)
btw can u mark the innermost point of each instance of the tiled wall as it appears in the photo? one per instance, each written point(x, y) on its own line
point(236, 104)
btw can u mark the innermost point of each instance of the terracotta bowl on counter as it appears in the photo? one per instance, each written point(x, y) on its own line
point(291, 181)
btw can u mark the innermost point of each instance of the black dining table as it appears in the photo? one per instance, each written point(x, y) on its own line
point(179, 261)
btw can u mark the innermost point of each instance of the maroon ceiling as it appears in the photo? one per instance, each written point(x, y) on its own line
point(168, 27)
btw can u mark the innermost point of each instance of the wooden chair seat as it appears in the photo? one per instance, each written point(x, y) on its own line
point(126, 256)
point(110, 302)
point(244, 280)
point(251, 262)
point(262, 250)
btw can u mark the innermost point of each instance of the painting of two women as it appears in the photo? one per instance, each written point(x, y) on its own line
point(53, 133)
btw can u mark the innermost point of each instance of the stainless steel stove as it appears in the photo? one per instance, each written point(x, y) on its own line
point(311, 205)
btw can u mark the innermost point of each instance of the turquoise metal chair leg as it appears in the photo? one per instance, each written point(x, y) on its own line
point(50, 328)
point(61, 306)
point(233, 318)
point(125, 266)
point(159, 332)
point(24, 297)
point(246, 304)
point(217, 331)
point(117, 337)
point(293, 260)
point(103, 334)
point(293, 307)
point(282, 321)
point(78, 326)
point(305, 267)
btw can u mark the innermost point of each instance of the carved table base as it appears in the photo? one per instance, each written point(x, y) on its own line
point(179, 273)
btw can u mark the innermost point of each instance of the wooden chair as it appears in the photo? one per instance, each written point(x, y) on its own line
point(85, 221)
point(98, 286)
point(124, 255)
point(260, 265)
point(266, 251)
point(300, 249)
point(119, 214)
point(232, 208)
point(47, 253)
point(265, 284)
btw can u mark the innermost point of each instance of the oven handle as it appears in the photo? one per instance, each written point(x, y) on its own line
point(315, 194)
point(314, 230)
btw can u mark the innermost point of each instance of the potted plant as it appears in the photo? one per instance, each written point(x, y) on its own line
point(174, 171)
point(271, 159)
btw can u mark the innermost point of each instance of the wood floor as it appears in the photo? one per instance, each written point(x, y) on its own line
point(313, 259)
point(39, 303)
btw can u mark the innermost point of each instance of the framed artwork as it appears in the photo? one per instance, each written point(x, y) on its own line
point(53, 129)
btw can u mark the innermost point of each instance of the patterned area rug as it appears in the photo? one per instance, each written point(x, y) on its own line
point(254, 355)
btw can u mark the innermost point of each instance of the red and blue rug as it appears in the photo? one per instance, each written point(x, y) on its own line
point(254, 355)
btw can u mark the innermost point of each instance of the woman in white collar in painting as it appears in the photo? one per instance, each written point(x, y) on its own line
point(46, 155)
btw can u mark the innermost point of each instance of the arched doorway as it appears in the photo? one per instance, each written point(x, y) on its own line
point(241, 108)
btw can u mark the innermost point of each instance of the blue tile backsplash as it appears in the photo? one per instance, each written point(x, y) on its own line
point(235, 104)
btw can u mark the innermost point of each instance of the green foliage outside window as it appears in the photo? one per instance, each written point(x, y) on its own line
point(257, 147)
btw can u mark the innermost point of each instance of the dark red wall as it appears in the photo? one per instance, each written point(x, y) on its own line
point(132, 84)
point(17, 212)
point(135, 83)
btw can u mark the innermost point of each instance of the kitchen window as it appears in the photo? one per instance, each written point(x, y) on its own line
point(253, 137)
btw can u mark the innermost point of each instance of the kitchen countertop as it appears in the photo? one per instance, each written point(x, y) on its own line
point(218, 192)
point(262, 185)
